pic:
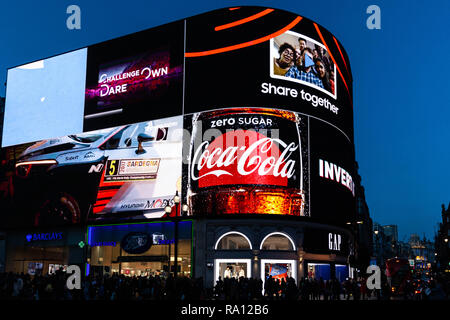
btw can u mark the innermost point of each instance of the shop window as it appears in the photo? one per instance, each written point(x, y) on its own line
point(232, 268)
point(233, 241)
point(341, 272)
point(277, 241)
point(319, 270)
point(278, 270)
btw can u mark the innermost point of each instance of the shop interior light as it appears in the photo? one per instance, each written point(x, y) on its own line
point(178, 259)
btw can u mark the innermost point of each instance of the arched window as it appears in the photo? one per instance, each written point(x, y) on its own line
point(277, 241)
point(233, 241)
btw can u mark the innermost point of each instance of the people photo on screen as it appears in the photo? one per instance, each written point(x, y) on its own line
point(287, 56)
point(301, 59)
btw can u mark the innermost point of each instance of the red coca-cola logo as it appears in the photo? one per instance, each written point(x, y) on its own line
point(243, 157)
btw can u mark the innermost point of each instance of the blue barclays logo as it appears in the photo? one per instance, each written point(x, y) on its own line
point(44, 236)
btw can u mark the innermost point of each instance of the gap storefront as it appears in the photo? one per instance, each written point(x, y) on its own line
point(139, 249)
point(259, 248)
point(326, 252)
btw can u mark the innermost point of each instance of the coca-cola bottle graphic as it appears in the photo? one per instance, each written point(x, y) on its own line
point(245, 161)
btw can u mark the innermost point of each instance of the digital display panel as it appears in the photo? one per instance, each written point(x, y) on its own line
point(179, 114)
point(279, 60)
point(135, 78)
point(45, 99)
point(130, 171)
point(297, 58)
point(247, 161)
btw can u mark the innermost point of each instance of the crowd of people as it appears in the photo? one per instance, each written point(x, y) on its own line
point(306, 64)
point(120, 287)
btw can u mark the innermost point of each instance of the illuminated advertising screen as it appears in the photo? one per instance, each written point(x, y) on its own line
point(267, 67)
point(241, 112)
point(132, 79)
point(267, 58)
point(127, 171)
point(247, 161)
point(45, 99)
point(311, 65)
point(135, 78)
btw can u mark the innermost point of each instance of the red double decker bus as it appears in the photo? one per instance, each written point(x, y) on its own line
point(398, 272)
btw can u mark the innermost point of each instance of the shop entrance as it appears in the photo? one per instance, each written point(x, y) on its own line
point(142, 269)
point(109, 260)
point(342, 272)
point(141, 249)
point(319, 270)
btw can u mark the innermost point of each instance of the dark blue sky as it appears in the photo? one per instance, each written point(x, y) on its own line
point(401, 82)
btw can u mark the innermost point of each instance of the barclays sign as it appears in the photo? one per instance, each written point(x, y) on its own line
point(50, 236)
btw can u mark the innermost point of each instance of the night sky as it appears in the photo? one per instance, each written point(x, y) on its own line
point(401, 82)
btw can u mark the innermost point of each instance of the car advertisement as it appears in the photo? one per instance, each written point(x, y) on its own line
point(133, 170)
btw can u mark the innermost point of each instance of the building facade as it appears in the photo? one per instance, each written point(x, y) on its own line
point(442, 242)
point(185, 164)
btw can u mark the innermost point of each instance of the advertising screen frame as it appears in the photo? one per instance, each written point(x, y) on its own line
point(305, 83)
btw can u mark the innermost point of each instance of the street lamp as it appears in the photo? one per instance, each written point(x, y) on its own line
point(376, 245)
point(184, 209)
point(177, 200)
point(168, 210)
point(355, 232)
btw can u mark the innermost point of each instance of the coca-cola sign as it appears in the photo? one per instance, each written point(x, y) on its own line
point(244, 157)
point(247, 161)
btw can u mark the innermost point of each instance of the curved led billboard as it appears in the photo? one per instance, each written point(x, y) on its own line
point(261, 57)
point(269, 98)
point(239, 111)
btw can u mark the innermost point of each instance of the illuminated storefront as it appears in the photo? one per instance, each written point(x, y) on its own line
point(140, 249)
point(43, 251)
point(260, 162)
point(259, 248)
